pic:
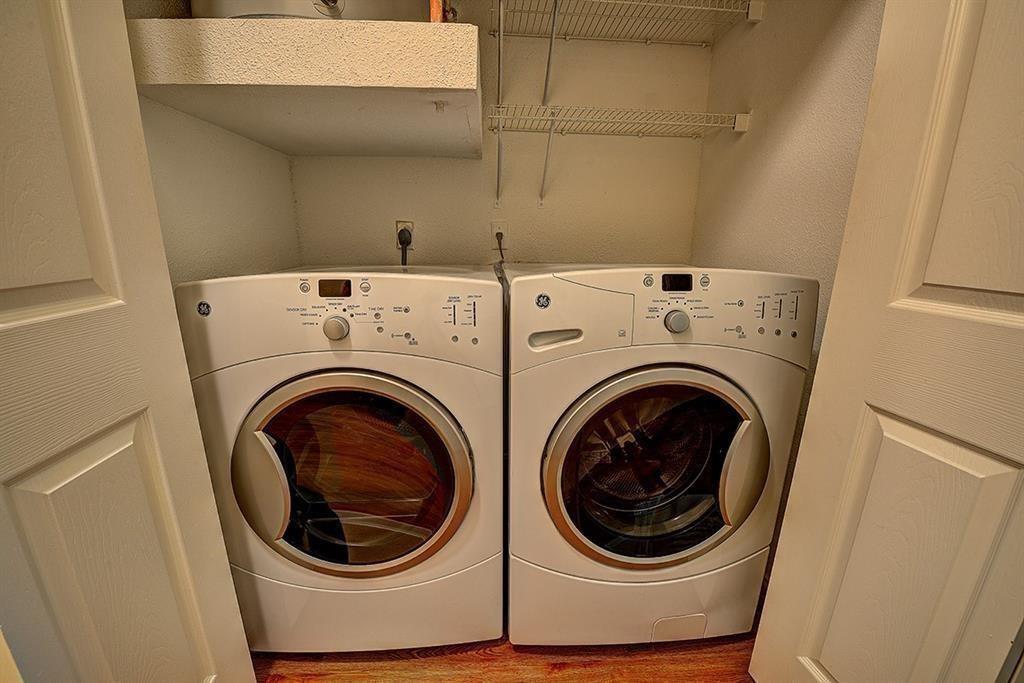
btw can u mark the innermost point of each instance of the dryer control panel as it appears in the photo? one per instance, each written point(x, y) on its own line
point(233, 320)
point(598, 308)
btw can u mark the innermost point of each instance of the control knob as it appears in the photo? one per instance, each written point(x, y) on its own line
point(336, 328)
point(677, 321)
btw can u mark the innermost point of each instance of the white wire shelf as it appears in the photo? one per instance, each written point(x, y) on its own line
point(575, 120)
point(671, 22)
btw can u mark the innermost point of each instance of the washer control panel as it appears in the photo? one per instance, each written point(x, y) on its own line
point(609, 307)
point(232, 320)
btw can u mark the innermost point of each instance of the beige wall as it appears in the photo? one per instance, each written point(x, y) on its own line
point(225, 202)
point(772, 199)
point(776, 198)
point(609, 199)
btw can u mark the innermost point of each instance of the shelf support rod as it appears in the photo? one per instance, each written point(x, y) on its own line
point(551, 49)
point(547, 156)
point(501, 45)
point(501, 119)
point(497, 189)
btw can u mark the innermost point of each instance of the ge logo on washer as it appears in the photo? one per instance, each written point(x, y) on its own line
point(203, 308)
point(543, 301)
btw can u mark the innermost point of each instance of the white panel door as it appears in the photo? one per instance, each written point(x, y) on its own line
point(112, 564)
point(902, 549)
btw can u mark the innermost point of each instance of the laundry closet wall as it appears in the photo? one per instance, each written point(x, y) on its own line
point(775, 198)
point(225, 202)
point(610, 199)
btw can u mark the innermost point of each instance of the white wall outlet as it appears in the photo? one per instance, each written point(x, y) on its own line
point(496, 227)
point(398, 228)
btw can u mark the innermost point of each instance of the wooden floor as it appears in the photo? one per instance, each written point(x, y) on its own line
point(710, 661)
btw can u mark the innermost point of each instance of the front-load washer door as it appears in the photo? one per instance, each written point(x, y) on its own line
point(352, 473)
point(655, 466)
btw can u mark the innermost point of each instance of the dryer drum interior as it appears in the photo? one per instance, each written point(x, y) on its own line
point(352, 473)
point(369, 479)
point(637, 469)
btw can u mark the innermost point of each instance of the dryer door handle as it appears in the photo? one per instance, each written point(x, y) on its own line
point(744, 472)
point(543, 340)
point(261, 487)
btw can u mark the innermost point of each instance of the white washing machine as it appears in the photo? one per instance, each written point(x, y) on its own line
point(651, 418)
point(353, 425)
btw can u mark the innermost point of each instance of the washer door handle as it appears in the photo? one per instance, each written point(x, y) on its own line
point(744, 472)
point(261, 487)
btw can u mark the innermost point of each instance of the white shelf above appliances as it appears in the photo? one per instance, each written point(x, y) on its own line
point(314, 87)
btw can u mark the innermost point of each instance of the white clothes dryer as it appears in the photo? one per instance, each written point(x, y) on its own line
point(651, 418)
point(352, 422)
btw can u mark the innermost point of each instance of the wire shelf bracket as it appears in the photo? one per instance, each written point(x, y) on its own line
point(577, 120)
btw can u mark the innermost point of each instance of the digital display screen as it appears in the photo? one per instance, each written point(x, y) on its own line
point(677, 282)
point(333, 288)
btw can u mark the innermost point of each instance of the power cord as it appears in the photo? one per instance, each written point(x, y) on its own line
point(501, 251)
point(404, 240)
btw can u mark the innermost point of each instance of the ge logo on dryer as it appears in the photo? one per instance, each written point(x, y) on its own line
point(203, 308)
point(543, 301)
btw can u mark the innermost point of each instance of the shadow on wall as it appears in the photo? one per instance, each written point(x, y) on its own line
point(157, 9)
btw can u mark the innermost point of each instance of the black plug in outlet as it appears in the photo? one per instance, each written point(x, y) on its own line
point(404, 236)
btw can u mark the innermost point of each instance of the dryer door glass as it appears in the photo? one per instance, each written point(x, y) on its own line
point(636, 473)
point(372, 471)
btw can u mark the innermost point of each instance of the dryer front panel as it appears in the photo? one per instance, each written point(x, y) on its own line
point(352, 473)
point(655, 466)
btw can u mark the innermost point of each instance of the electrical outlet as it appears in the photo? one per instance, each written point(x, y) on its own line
point(398, 228)
point(496, 227)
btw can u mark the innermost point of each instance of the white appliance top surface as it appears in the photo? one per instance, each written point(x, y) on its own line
point(482, 272)
point(514, 270)
point(485, 272)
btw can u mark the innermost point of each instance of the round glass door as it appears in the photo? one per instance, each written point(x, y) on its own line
point(352, 473)
point(655, 466)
